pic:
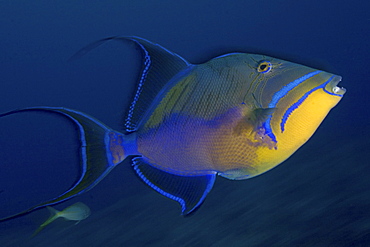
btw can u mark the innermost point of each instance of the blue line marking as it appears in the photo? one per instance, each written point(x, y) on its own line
point(281, 94)
point(147, 63)
point(130, 127)
point(83, 146)
point(211, 180)
point(228, 54)
point(206, 191)
point(66, 112)
point(156, 188)
point(300, 101)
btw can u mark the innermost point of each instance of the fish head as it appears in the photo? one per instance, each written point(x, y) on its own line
point(290, 102)
point(280, 81)
point(301, 98)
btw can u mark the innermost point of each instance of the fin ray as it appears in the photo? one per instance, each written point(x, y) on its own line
point(94, 161)
point(159, 66)
point(188, 191)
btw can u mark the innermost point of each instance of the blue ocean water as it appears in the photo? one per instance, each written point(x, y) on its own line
point(318, 197)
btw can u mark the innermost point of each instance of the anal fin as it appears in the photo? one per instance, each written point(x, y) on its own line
point(188, 191)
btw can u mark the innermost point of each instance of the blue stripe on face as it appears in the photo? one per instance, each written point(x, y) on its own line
point(299, 102)
point(281, 94)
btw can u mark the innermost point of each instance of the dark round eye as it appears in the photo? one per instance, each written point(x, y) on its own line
point(264, 66)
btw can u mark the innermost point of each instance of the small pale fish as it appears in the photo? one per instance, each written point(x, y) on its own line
point(237, 116)
point(75, 212)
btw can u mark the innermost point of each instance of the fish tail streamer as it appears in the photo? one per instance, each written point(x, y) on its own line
point(101, 149)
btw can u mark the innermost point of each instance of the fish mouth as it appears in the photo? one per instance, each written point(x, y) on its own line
point(332, 86)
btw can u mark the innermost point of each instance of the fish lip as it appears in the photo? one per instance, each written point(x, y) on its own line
point(332, 86)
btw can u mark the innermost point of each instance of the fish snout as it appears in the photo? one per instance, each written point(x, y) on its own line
point(332, 86)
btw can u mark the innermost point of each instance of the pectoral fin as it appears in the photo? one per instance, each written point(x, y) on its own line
point(259, 115)
point(189, 191)
point(252, 120)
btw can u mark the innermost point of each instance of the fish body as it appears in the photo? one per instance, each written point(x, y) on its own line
point(203, 123)
point(237, 116)
point(76, 212)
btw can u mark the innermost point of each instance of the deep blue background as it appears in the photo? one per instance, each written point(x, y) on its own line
point(319, 197)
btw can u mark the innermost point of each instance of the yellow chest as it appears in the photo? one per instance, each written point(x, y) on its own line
point(241, 151)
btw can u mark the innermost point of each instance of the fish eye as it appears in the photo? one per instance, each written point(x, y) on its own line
point(264, 66)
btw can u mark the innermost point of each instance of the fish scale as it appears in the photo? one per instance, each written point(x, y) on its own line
point(237, 116)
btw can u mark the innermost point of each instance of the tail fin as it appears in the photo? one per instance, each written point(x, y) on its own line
point(53, 216)
point(101, 150)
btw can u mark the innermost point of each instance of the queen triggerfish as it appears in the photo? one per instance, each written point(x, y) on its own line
point(237, 115)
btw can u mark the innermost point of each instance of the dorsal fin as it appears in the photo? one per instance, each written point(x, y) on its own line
point(159, 66)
